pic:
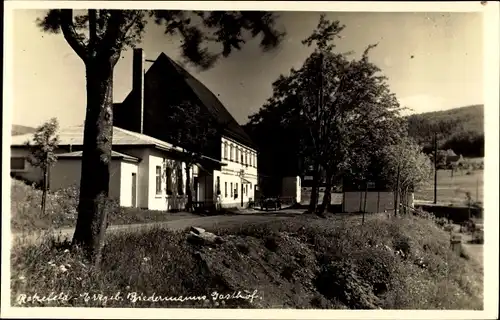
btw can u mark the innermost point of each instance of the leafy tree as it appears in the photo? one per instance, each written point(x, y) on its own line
point(45, 141)
point(98, 38)
point(406, 168)
point(195, 131)
point(342, 108)
point(278, 145)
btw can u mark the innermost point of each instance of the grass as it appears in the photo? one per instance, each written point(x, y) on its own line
point(389, 263)
point(61, 210)
point(452, 190)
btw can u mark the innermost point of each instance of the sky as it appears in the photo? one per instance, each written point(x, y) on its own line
point(434, 61)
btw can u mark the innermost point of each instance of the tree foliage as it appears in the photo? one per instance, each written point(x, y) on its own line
point(108, 32)
point(406, 167)
point(45, 141)
point(340, 107)
point(195, 130)
point(42, 152)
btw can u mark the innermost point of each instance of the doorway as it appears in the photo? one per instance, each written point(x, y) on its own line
point(134, 189)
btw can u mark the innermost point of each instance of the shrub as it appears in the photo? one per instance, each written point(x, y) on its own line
point(441, 222)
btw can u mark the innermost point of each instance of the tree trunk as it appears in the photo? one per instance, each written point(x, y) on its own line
point(314, 190)
point(189, 194)
point(327, 197)
point(97, 143)
point(44, 190)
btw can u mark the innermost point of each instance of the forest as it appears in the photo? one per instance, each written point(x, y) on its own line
point(458, 129)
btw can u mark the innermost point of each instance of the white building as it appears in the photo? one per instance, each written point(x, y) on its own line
point(145, 167)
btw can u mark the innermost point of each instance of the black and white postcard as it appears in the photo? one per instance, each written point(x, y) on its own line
point(250, 159)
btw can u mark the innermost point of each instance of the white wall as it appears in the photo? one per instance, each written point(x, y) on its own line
point(127, 168)
point(142, 174)
point(163, 201)
point(231, 173)
point(375, 201)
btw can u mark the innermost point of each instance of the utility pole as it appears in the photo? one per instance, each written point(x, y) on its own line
point(435, 168)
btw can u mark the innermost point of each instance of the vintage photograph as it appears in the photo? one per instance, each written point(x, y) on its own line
point(249, 159)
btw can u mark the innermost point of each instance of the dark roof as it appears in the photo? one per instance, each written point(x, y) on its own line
point(213, 105)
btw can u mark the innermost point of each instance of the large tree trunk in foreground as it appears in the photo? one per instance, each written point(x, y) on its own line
point(98, 134)
point(313, 203)
point(327, 197)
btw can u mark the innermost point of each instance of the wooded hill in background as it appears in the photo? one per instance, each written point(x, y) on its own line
point(18, 130)
point(459, 129)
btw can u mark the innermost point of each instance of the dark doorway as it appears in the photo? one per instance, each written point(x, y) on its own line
point(134, 189)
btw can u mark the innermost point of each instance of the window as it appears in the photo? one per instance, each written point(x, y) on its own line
point(250, 186)
point(232, 190)
point(168, 174)
point(236, 156)
point(236, 190)
point(246, 158)
point(225, 189)
point(17, 164)
point(158, 180)
point(225, 150)
point(250, 159)
point(180, 184)
point(231, 152)
point(241, 156)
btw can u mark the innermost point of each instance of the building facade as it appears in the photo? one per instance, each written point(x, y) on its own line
point(232, 173)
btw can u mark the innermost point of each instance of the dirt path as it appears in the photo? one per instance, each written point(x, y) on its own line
point(208, 223)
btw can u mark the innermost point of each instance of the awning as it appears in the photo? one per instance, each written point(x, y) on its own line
point(202, 168)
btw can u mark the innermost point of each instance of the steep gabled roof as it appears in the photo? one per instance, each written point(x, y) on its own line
point(167, 66)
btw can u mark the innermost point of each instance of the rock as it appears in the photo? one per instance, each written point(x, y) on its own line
point(197, 230)
point(204, 238)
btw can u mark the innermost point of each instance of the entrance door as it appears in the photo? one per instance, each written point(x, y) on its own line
point(134, 189)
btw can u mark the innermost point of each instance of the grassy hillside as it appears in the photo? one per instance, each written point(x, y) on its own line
point(459, 129)
point(19, 130)
point(403, 263)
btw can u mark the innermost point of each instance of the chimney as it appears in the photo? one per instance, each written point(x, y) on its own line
point(138, 89)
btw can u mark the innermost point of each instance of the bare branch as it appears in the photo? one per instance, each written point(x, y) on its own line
point(70, 34)
point(92, 29)
point(117, 29)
